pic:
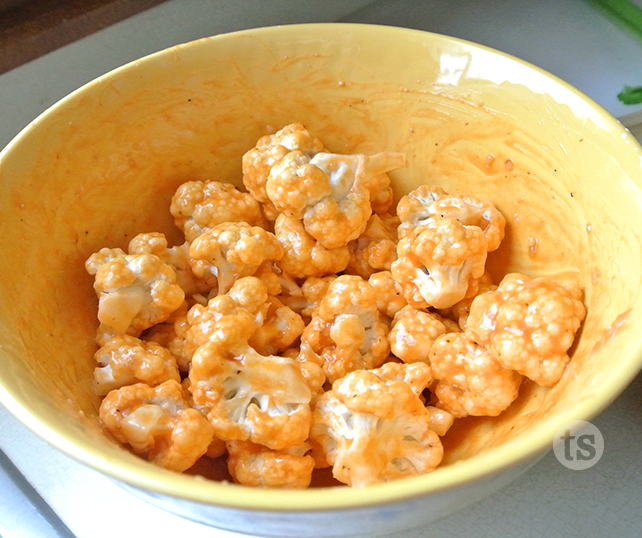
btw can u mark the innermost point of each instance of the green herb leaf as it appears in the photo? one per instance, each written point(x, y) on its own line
point(623, 12)
point(631, 95)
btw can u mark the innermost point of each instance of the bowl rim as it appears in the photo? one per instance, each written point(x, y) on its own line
point(147, 477)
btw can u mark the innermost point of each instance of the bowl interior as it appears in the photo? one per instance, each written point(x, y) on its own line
point(101, 166)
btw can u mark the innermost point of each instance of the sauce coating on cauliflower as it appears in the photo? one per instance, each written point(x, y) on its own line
point(307, 322)
point(345, 330)
point(158, 423)
point(440, 263)
point(135, 291)
point(372, 426)
point(256, 465)
point(471, 381)
point(414, 332)
point(268, 151)
point(263, 399)
point(230, 251)
point(529, 324)
point(198, 206)
point(126, 360)
point(427, 203)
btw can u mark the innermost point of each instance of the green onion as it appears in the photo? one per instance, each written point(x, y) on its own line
point(629, 16)
point(624, 12)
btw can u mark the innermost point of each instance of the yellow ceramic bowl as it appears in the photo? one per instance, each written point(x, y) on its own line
point(101, 165)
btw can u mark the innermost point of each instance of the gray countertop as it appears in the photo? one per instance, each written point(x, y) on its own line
point(43, 493)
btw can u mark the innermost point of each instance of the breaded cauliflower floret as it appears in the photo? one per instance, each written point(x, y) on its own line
point(390, 297)
point(414, 332)
point(135, 291)
point(529, 324)
point(471, 381)
point(258, 466)
point(303, 256)
point(376, 248)
point(328, 192)
point(177, 257)
point(230, 251)
point(373, 427)
point(158, 424)
point(126, 360)
point(198, 206)
point(345, 331)
point(269, 150)
point(428, 203)
point(440, 263)
point(263, 399)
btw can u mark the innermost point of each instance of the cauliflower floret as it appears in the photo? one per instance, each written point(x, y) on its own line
point(376, 248)
point(460, 310)
point(198, 206)
point(440, 263)
point(529, 324)
point(428, 203)
point(126, 360)
point(314, 290)
point(269, 150)
point(381, 193)
point(234, 316)
point(230, 251)
point(263, 399)
point(373, 427)
point(258, 466)
point(345, 331)
point(305, 300)
point(280, 328)
point(158, 424)
point(172, 336)
point(471, 381)
point(414, 332)
point(311, 370)
point(416, 376)
point(440, 420)
point(390, 297)
point(328, 192)
point(177, 257)
point(275, 280)
point(294, 184)
point(303, 256)
point(135, 291)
